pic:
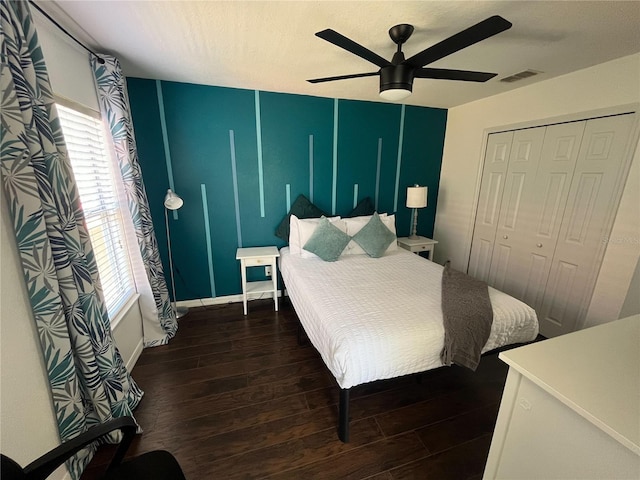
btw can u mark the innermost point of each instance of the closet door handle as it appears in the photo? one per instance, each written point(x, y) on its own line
point(539, 245)
point(506, 237)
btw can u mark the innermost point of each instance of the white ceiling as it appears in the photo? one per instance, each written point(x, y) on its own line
point(271, 46)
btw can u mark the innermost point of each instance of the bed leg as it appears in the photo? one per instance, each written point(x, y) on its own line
point(343, 416)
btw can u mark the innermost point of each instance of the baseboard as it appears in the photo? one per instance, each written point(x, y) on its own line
point(202, 302)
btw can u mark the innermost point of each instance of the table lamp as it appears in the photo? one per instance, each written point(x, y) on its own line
point(416, 198)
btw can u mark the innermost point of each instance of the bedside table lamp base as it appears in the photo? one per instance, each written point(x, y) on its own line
point(414, 228)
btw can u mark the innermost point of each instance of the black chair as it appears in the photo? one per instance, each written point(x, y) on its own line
point(156, 465)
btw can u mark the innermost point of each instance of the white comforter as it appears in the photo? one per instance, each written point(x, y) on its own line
point(377, 318)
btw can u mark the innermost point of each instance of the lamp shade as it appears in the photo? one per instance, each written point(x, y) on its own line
point(416, 197)
point(172, 200)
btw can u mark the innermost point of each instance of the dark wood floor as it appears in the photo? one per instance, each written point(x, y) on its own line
point(237, 397)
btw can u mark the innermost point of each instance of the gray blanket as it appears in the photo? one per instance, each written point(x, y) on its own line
point(467, 313)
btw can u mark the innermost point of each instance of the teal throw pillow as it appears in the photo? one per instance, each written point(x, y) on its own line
point(327, 241)
point(374, 237)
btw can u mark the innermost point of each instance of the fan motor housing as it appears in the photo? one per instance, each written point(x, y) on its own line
point(396, 77)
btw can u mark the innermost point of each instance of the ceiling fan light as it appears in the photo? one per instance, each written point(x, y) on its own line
point(396, 82)
point(395, 94)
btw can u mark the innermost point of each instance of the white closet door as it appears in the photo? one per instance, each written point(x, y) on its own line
point(513, 229)
point(491, 189)
point(591, 205)
point(545, 211)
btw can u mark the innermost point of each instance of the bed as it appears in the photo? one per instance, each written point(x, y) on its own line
point(379, 318)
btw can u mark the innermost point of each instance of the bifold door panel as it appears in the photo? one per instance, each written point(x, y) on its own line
point(547, 200)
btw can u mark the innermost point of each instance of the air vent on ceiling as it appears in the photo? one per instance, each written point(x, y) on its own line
point(520, 76)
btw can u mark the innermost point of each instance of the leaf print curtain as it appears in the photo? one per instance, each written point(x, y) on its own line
point(159, 319)
point(88, 379)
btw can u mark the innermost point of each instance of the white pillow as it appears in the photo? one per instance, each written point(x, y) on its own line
point(294, 244)
point(301, 229)
point(355, 224)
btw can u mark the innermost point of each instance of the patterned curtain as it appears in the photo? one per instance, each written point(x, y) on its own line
point(159, 319)
point(89, 381)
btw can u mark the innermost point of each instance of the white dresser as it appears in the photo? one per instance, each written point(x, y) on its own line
point(571, 407)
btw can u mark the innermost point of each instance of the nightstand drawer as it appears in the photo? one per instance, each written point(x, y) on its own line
point(418, 245)
point(256, 262)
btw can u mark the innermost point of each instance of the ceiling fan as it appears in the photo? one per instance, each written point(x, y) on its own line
point(396, 76)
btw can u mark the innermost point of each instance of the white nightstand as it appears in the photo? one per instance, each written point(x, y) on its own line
point(417, 245)
point(258, 257)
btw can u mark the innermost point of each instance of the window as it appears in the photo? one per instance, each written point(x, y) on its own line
point(97, 184)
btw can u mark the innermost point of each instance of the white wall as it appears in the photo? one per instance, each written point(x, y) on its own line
point(603, 86)
point(67, 64)
point(27, 421)
point(128, 334)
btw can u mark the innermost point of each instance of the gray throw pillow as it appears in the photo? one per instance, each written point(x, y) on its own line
point(327, 241)
point(374, 237)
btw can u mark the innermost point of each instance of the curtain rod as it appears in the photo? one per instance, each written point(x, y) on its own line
point(98, 57)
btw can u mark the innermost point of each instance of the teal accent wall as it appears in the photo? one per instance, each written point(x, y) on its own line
point(226, 178)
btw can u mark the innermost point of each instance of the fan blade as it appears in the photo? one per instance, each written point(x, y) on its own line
point(446, 74)
point(480, 31)
point(349, 45)
point(343, 77)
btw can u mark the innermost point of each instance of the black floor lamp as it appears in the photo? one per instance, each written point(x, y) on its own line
point(172, 201)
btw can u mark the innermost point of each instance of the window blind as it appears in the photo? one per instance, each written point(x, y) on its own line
point(94, 172)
